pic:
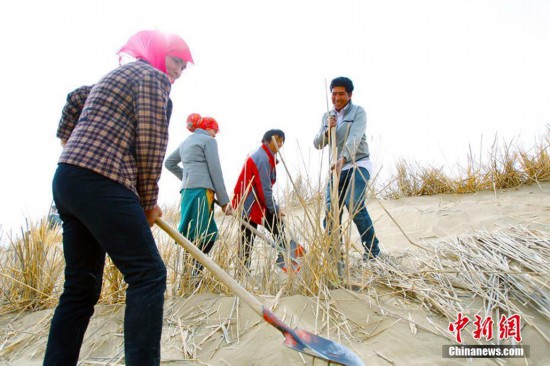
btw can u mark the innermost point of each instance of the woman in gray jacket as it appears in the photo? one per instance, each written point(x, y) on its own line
point(201, 177)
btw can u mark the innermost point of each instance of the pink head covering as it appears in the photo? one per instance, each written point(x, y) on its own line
point(153, 46)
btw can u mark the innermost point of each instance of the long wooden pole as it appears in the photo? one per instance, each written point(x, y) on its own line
point(334, 200)
point(220, 274)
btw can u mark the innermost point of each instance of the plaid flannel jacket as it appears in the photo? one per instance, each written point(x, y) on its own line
point(119, 128)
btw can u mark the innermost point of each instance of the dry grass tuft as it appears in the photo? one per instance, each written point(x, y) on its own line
point(506, 166)
point(536, 164)
point(506, 272)
point(31, 268)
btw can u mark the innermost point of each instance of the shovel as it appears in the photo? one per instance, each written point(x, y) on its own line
point(297, 339)
point(295, 251)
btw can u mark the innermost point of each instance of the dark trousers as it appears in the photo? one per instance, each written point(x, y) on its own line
point(196, 265)
point(101, 216)
point(272, 224)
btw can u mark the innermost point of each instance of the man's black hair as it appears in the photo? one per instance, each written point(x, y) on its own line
point(342, 81)
point(269, 134)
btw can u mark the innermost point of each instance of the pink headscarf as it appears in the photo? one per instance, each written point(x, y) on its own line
point(153, 46)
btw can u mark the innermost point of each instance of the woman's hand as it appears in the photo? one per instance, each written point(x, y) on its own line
point(227, 209)
point(153, 214)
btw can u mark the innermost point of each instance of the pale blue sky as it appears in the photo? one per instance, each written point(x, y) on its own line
point(434, 76)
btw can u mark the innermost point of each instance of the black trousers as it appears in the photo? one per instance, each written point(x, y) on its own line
point(273, 225)
point(103, 217)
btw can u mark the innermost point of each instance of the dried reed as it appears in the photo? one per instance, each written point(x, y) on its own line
point(506, 166)
point(508, 270)
point(486, 273)
point(31, 268)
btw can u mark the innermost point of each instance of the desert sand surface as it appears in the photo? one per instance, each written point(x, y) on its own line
point(382, 326)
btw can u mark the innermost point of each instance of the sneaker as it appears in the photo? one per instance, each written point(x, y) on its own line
point(296, 250)
point(367, 257)
point(300, 251)
point(294, 267)
point(280, 261)
point(371, 252)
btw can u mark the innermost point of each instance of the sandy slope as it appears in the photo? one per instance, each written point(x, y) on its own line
point(427, 218)
point(218, 330)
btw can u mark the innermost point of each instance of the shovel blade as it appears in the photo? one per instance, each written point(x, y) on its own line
point(323, 348)
point(313, 345)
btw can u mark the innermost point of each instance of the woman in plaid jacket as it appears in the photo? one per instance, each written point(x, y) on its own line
point(105, 188)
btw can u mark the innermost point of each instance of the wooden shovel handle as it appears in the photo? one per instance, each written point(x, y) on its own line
point(246, 224)
point(213, 267)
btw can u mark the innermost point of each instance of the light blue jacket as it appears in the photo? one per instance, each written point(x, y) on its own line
point(201, 164)
point(350, 135)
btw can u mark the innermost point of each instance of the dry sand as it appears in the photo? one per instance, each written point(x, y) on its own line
point(383, 329)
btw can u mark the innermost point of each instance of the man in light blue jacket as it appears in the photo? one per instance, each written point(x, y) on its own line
point(351, 162)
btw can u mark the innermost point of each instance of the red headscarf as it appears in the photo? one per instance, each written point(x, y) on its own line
point(153, 46)
point(209, 123)
point(195, 121)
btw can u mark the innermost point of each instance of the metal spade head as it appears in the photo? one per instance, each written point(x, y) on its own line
point(313, 345)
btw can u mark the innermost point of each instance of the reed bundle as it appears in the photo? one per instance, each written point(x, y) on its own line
point(508, 271)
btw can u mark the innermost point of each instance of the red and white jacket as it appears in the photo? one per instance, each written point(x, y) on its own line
point(254, 188)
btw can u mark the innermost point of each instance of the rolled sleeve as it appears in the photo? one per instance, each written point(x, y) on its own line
point(321, 138)
point(71, 111)
point(172, 164)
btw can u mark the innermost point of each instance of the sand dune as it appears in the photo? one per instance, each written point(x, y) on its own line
point(382, 326)
point(441, 216)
